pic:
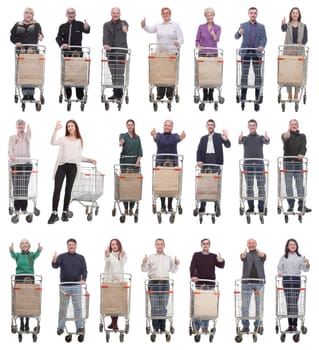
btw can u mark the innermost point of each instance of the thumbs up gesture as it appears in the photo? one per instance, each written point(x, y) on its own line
point(145, 259)
point(55, 256)
point(220, 258)
point(86, 25)
point(176, 261)
point(143, 22)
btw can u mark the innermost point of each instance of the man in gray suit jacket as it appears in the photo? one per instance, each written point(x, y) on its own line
point(254, 41)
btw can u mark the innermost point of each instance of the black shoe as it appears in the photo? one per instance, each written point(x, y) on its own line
point(64, 216)
point(170, 210)
point(245, 330)
point(31, 98)
point(25, 98)
point(290, 329)
point(305, 209)
point(22, 327)
point(261, 210)
point(26, 328)
point(113, 97)
point(256, 107)
point(53, 218)
point(59, 331)
point(250, 210)
point(202, 210)
point(290, 209)
point(163, 210)
point(81, 330)
point(158, 98)
point(217, 210)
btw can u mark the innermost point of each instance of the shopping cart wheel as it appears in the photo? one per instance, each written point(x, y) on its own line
point(89, 217)
point(87, 209)
point(20, 337)
point(42, 100)
point(10, 210)
point(196, 99)
point(36, 211)
point(256, 107)
point(213, 219)
point(200, 219)
point(127, 99)
point(238, 338)
point(23, 106)
point(304, 99)
point(80, 338)
point(283, 337)
point(15, 219)
point(242, 106)
point(147, 330)
point(119, 106)
point(248, 219)
point(197, 338)
point(211, 338)
point(190, 330)
point(38, 106)
point(68, 338)
point(201, 107)
point(102, 98)
point(261, 330)
point(113, 211)
point(14, 329)
point(260, 99)
point(279, 98)
point(254, 338)
point(34, 338)
point(96, 211)
point(300, 218)
point(82, 106)
point(151, 97)
point(172, 330)
point(101, 327)
point(169, 106)
point(283, 107)
point(16, 98)
point(29, 218)
point(135, 218)
point(168, 337)
point(180, 210)
point(172, 218)
point(195, 212)
point(278, 210)
point(261, 218)
point(286, 219)
point(296, 107)
point(121, 337)
point(122, 219)
point(154, 209)
point(221, 99)
point(155, 107)
point(216, 106)
point(70, 214)
point(241, 211)
point(127, 328)
point(60, 98)
point(159, 218)
point(177, 98)
point(107, 337)
point(277, 329)
point(107, 106)
point(153, 337)
point(237, 98)
point(296, 337)
point(304, 330)
point(68, 106)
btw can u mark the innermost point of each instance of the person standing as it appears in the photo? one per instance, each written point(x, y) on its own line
point(253, 280)
point(70, 34)
point(207, 37)
point(169, 36)
point(254, 164)
point(166, 149)
point(73, 274)
point(253, 43)
point(290, 266)
point(25, 270)
point(115, 259)
point(159, 266)
point(26, 32)
point(296, 34)
point(210, 152)
point(295, 148)
point(115, 36)
point(202, 267)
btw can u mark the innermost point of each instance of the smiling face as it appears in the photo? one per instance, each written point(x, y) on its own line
point(130, 126)
point(205, 246)
point(28, 15)
point(71, 247)
point(24, 246)
point(20, 126)
point(251, 245)
point(293, 125)
point(252, 127)
point(292, 246)
point(71, 128)
point(115, 14)
point(210, 127)
point(115, 246)
point(70, 14)
point(209, 15)
point(295, 15)
point(168, 126)
point(166, 14)
point(159, 246)
point(252, 13)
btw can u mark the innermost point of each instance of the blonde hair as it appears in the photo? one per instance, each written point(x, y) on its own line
point(209, 10)
point(32, 12)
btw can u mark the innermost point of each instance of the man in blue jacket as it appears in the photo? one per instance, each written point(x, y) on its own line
point(210, 151)
point(254, 40)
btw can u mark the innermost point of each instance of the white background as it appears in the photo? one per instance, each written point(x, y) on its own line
point(100, 130)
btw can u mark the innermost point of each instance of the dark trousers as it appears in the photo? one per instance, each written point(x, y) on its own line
point(159, 301)
point(67, 171)
point(162, 90)
point(294, 172)
point(79, 92)
point(255, 170)
point(20, 184)
point(117, 69)
point(250, 57)
point(291, 286)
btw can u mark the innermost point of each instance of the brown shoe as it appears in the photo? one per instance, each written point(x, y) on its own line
point(289, 96)
point(126, 211)
point(205, 330)
point(131, 212)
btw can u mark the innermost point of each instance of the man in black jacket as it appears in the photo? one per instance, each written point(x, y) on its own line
point(70, 34)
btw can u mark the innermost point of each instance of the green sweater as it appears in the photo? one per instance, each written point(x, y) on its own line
point(25, 262)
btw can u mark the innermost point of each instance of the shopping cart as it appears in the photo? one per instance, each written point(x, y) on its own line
point(167, 182)
point(29, 73)
point(208, 66)
point(204, 301)
point(163, 71)
point(253, 177)
point(292, 73)
point(127, 188)
point(87, 189)
point(248, 308)
point(249, 75)
point(75, 72)
point(74, 306)
point(23, 186)
point(159, 306)
point(292, 185)
point(115, 72)
point(291, 303)
point(26, 294)
point(115, 300)
point(208, 186)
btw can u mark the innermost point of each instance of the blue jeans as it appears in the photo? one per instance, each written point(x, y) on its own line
point(159, 301)
point(247, 289)
point(70, 293)
point(255, 170)
point(248, 58)
point(291, 286)
point(294, 171)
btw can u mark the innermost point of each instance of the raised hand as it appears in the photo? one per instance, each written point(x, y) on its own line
point(107, 252)
point(143, 22)
point(219, 258)
point(145, 259)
